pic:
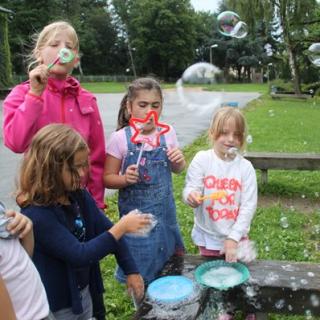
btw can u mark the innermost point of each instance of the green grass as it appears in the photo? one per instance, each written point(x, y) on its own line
point(292, 126)
point(119, 87)
point(105, 87)
point(114, 87)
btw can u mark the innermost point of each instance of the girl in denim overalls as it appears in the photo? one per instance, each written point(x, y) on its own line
point(148, 186)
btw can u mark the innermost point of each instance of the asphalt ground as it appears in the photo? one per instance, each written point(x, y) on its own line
point(189, 119)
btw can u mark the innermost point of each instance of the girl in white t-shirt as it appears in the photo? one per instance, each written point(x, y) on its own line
point(145, 182)
point(22, 295)
point(221, 223)
point(221, 186)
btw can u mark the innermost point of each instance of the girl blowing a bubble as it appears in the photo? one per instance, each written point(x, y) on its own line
point(51, 95)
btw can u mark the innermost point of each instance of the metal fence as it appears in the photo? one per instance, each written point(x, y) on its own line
point(85, 78)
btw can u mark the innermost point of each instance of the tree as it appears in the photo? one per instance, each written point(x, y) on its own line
point(90, 18)
point(162, 33)
point(5, 63)
point(291, 16)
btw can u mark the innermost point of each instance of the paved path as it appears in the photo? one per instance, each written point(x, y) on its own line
point(188, 125)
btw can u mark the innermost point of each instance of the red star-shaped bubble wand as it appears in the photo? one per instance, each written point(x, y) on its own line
point(138, 124)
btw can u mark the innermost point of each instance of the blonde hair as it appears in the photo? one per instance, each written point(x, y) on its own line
point(147, 83)
point(41, 180)
point(221, 117)
point(46, 35)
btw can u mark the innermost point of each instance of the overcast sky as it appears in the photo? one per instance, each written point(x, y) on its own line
point(205, 5)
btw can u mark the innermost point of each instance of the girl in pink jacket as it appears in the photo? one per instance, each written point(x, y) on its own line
point(51, 95)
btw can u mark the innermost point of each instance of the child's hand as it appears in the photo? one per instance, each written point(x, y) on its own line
point(134, 221)
point(132, 175)
point(194, 199)
point(230, 249)
point(135, 287)
point(38, 79)
point(175, 155)
point(20, 224)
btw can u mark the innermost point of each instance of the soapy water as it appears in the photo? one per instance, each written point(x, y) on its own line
point(144, 232)
point(215, 306)
point(222, 277)
point(246, 251)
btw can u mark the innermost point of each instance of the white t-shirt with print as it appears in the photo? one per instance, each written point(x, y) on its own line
point(230, 216)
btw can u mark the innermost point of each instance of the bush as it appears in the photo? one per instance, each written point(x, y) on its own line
point(281, 85)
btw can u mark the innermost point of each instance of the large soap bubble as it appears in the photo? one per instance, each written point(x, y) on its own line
point(314, 54)
point(191, 87)
point(229, 24)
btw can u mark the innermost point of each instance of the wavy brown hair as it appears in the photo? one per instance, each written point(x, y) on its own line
point(41, 181)
point(147, 83)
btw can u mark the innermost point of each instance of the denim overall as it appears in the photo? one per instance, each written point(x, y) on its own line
point(152, 194)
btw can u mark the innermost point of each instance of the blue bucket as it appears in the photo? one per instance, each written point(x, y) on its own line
point(170, 289)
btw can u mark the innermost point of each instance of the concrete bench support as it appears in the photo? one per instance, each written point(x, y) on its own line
point(281, 287)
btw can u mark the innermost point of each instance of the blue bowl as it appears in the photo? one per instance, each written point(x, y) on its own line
point(170, 289)
point(220, 279)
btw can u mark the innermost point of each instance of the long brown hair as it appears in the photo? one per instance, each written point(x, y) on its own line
point(41, 181)
point(138, 84)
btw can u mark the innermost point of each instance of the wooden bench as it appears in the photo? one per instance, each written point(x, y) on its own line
point(281, 287)
point(275, 95)
point(282, 161)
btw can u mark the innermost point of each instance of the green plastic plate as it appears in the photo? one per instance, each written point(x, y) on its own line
point(221, 275)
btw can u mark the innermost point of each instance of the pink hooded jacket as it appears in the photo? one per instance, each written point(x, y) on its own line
point(61, 102)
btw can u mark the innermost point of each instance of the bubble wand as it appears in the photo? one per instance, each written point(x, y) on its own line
point(138, 126)
point(64, 56)
point(214, 196)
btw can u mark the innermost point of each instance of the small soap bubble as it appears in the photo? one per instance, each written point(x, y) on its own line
point(290, 307)
point(280, 304)
point(271, 277)
point(314, 54)
point(294, 286)
point(284, 222)
point(246, 251)
point(288, 267)
point(267, 249)
point(304, 281)
point(305, 253)
point(315, 301)
point(316, 228)
point(249, 139)
point(230, 24)
point(308, 314)
point(250, 291)
point(189, 87)
point(310, 274)
point(232, 153)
